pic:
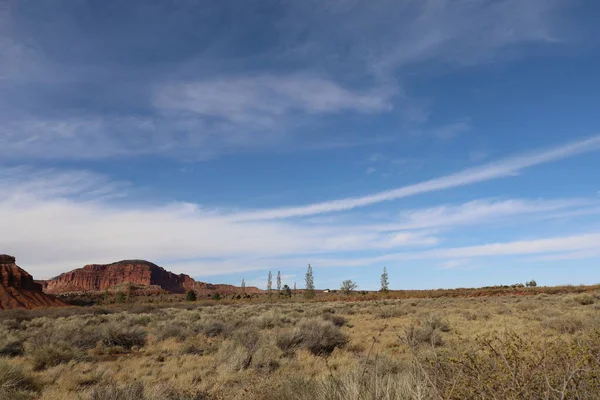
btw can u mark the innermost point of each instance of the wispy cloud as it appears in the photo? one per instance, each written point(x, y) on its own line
point(494, 170)
point(479, 211)
point(260, 100)
point(451, 264)
point(546, 247)
point(76, 224)
point(219, 94)
point(70, 219)
point(411, 32)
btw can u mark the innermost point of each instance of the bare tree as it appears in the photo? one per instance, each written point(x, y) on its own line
point(348, 286)
point(385, 283)
point(278, 281)
point(269, 283)
point(310, 283)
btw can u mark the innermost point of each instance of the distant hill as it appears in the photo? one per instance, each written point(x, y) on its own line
point(100, 277)
point(18, 289)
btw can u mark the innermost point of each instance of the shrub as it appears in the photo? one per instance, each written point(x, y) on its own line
point(288, 341)
point(584, 299)
point(417, 335)
point(112, 392)
point(176, 329)
point(248, 337)
point(123, 337)
point(121, 298)
point(337, 320)
point(216, 297)
point(52, 354)
point(190, 295)
point(213, 329)
point(565, 324)
point(508, 366)
point(348, 286)
point(136, 391)
point(15, 384)
point(193, 349)
point(320, 337)
point(11, 348)
point(435, 322)
point(391, 312)
point(286, 292)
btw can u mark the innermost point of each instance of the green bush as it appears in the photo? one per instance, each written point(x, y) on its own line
point(121, 298)
point(190, 295)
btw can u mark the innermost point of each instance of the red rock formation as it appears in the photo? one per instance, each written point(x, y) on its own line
point(18, 290)
point(99, 277)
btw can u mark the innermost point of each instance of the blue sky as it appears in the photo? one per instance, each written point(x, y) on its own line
point(455, 142)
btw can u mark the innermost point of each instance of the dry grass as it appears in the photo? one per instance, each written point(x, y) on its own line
point(510, 347)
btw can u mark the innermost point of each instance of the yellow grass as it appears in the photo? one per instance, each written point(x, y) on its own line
point(522, 347)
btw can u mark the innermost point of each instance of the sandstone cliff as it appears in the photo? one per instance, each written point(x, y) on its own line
point(18, 290)
point(99, 277)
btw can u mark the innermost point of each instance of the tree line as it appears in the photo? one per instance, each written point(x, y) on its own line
point(347, 286)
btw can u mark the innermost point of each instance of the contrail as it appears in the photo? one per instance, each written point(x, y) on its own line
point(494, 170)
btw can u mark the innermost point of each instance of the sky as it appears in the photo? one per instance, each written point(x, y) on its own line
point(455, 142)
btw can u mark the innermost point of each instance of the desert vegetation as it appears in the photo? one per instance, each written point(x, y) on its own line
point(511, 347)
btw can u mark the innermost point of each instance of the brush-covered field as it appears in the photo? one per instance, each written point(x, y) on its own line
point(512, 347)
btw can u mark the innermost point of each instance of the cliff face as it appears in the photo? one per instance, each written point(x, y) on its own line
point(18, 290)
point(98, 277)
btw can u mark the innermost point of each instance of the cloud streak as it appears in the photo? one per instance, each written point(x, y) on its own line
point(265, 82)
point(70, 219)
point(260, 100)
point(486, 172)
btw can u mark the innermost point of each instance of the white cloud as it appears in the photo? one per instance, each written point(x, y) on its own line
point(91, 137)
point(261, 100)
point(477, 156)
point(546, 247)
point(494, 170)
point(570, 255)
point(65, 217)
point(554, 248)
point(352, 59)
point(455, 263)
point(535, 246)
point(450, 131)
point(25, 183)
point(479, 211)
point(61, 220)
point(392, 34)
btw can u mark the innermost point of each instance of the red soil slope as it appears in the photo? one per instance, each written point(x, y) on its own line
point(18, 290)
